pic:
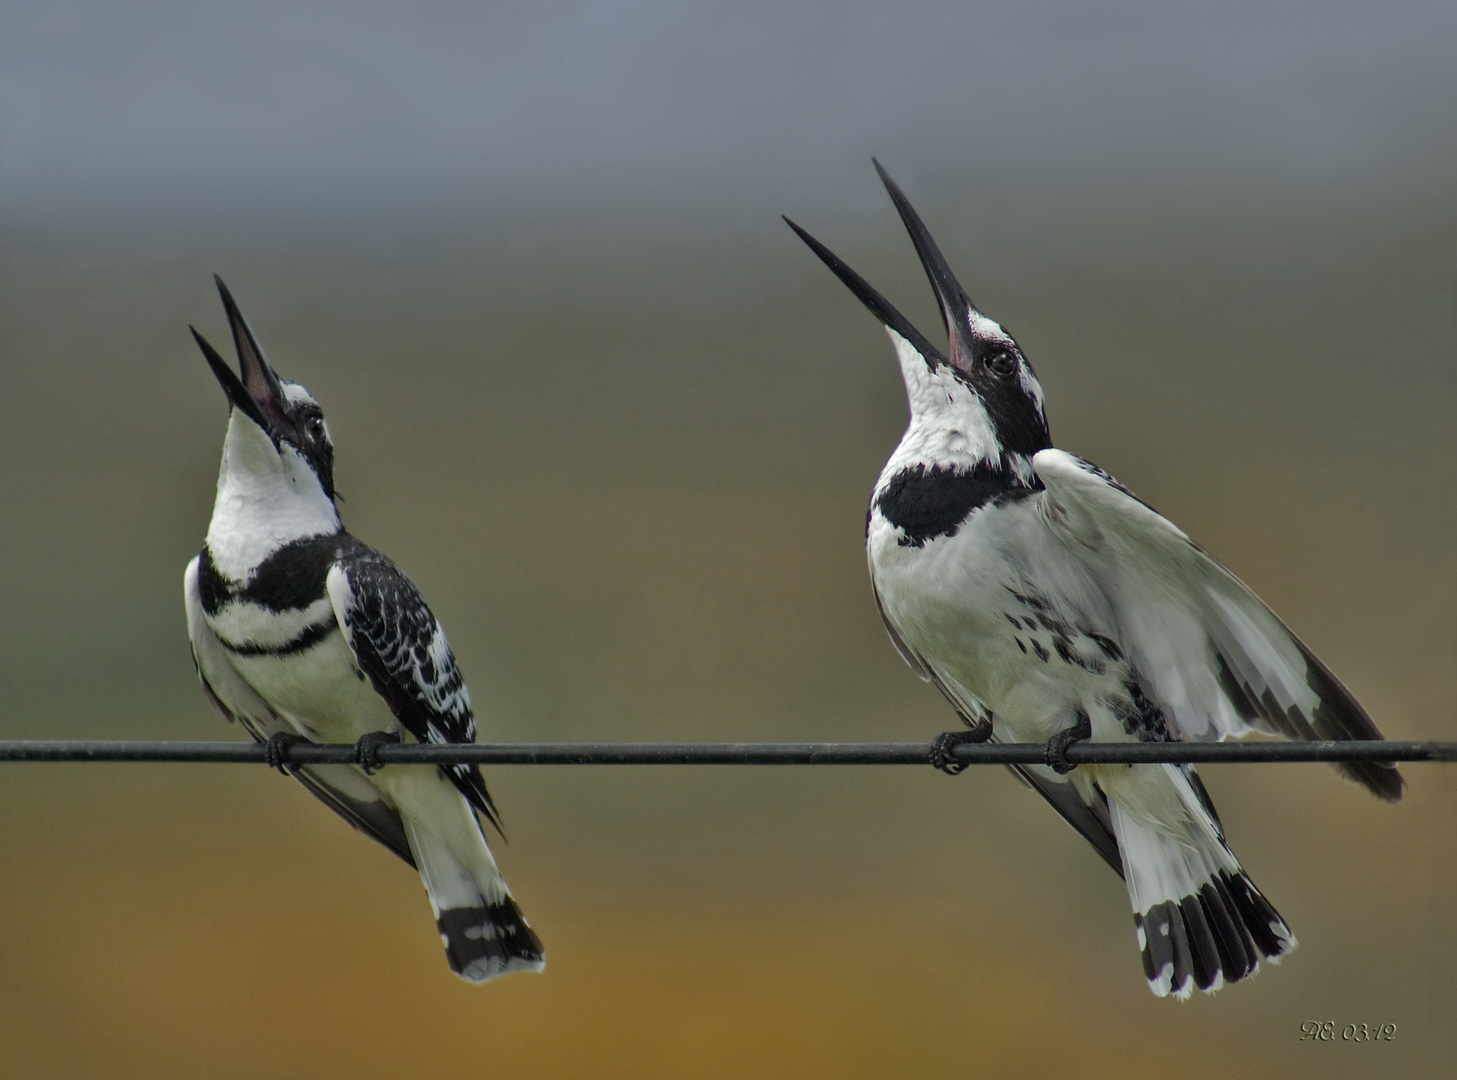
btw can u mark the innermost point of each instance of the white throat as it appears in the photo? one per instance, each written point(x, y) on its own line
point(267, 497)
point(949, 424)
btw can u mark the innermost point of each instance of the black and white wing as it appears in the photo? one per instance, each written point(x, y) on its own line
point(400, 646)
point(1217, 661)
point(339, 787)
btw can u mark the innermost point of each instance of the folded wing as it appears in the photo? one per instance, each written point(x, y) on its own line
point(401, 647)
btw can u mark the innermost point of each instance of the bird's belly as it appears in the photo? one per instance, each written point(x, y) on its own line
point(943, 605)
point(987, 628)
point(320, 690)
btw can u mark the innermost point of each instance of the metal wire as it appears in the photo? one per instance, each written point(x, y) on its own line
point(1086, 753)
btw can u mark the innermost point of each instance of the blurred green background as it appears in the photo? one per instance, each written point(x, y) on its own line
point(621, 427)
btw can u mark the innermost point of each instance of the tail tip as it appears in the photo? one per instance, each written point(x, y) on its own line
point(1211, 938)
point(483, 943)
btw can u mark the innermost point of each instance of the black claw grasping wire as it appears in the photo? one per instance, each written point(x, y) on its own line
point(1057, 745)
point(943, 746)
point(275, 750)
point(368, 746)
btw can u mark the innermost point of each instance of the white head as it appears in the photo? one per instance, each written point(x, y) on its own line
point(276, 483)
point(985, 392)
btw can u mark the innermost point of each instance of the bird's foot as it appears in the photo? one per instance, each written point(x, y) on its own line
point(943, 746)
point(366, 750)
point(1057, 745)
point(275, 750)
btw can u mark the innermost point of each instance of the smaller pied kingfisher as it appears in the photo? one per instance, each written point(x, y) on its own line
point(1049, 604)
point(302, 632)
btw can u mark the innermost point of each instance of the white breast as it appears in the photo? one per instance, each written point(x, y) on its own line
point(320, 690)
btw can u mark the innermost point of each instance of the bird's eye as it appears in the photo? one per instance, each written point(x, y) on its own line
point(1002, 363)
point(314, 427)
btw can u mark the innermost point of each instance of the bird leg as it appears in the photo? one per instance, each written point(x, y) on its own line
point(275, 750)
point(367, 749)
point(1057, 745)
point(943, 746)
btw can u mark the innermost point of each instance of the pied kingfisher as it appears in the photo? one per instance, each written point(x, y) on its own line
point(1049, 604)
point(302, 632)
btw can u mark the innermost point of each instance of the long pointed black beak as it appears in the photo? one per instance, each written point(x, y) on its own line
point(879, 306)
point(258, 393)
point(956, 307)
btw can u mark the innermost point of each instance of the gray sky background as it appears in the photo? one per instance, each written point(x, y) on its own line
point(141, 115)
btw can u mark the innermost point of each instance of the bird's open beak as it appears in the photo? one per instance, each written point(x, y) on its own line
point(257, 394)
point(956, 307)
point(879, 306)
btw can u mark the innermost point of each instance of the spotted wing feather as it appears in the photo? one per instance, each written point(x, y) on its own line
point(402, 648)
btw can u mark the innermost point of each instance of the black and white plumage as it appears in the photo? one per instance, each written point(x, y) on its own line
point(1048, 603)
point(299, 630)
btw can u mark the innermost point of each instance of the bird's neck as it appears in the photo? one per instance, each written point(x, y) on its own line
point(266, 499)
point(946, 445)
